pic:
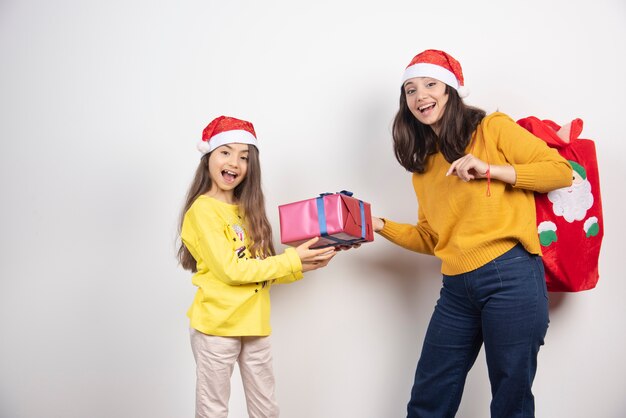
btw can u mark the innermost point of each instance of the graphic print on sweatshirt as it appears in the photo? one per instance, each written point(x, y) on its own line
point(239, 232)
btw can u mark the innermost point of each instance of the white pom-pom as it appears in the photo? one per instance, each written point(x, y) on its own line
point(203, 147)
point(463, 92)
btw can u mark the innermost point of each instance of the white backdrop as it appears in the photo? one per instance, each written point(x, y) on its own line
point(101, 105)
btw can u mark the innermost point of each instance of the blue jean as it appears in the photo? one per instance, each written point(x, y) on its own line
point(503, 304)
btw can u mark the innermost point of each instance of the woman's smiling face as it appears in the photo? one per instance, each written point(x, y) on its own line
point(426, 98)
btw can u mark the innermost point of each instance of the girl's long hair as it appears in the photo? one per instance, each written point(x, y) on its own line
point(413, 141)
point(251, 201)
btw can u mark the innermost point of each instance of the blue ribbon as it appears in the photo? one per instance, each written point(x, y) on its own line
point(363, 229)
point(321, 216)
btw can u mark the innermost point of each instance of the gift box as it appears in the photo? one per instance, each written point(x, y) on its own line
point(337, 218)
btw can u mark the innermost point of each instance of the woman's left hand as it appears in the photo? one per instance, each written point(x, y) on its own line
point(469, 168)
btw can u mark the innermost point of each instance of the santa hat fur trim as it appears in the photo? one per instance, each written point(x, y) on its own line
point(439, 65)
point(226, 130)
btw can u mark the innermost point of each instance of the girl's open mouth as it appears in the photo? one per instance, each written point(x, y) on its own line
point(229, 176)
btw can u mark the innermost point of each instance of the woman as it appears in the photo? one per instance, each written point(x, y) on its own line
point(474, 177)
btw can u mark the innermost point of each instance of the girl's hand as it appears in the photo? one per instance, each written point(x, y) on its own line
point(469, 168)
point(313, 259)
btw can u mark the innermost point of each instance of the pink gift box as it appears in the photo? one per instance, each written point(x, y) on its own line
point(338, 219)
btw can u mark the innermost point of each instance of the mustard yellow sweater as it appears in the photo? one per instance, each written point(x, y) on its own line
point(232, 298)
point(459, 223)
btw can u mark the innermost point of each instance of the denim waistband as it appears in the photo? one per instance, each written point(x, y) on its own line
point(517, 251)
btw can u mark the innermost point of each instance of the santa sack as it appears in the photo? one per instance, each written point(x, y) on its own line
point(569, 220)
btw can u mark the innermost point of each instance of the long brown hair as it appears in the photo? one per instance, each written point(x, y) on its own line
point(249, 196)
point(413, 141)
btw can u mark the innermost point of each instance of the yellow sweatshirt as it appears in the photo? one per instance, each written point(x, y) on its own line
point(233, 288)
point(459, 223)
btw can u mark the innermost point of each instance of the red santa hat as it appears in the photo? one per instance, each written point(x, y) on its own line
point(439, 65)
point(226, 130)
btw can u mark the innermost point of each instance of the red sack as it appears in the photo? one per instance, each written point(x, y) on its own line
point(569, 220)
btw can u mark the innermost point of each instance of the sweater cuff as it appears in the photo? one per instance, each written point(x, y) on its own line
point(294, 260)
point(524, 178)
point(390, 230)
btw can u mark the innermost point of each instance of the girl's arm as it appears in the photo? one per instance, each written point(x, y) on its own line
point(213, 247)
point(311, 260)
point(224, 257)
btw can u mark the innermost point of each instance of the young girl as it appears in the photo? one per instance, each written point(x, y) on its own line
point(474, 177)
point(227, 242)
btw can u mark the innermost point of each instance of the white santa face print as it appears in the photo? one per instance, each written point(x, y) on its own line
point(426, 98)
point(228, 166)
point(572, 202)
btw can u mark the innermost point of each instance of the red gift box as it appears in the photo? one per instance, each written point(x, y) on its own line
point(337, 218)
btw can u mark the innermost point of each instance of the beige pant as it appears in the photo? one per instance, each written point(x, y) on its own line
point(215, 359)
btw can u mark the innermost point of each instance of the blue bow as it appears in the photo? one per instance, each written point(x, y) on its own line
point(346, 192)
